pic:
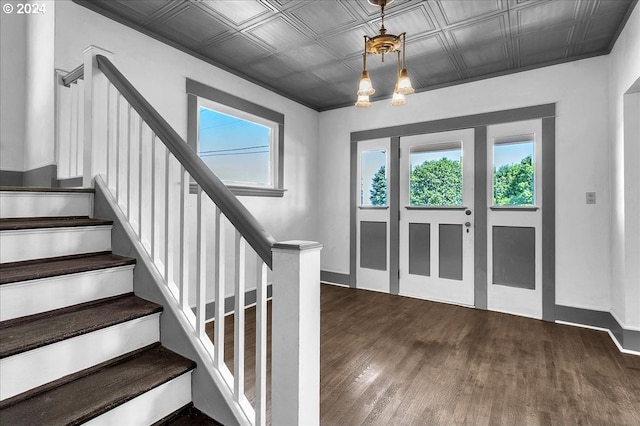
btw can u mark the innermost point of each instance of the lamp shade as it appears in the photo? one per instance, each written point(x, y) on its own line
point(365, 88)
point(363, 101)
point(404, 83)
point(398, 98)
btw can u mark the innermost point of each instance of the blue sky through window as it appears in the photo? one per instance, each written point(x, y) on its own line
point(236, 150)
point(511, 153)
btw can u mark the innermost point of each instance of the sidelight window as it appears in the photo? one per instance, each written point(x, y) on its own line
point(373, 174)
point(513, 171)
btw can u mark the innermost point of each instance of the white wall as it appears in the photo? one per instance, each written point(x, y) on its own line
point(580, 90)
point(159, 72)
point(40, 77)
point(624, 71)
point(13, 45)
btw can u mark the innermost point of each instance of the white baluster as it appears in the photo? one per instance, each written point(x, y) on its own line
point(219, 263)
point(119, 133)
point(140, 148)
point(152, 239)
point(128, 154)
point(261, 343)
point(168, 259)
point(201, 265)
point(238, 326)
point(79, 144)
point(184, 255)
point(75, 118)
point(109, 135)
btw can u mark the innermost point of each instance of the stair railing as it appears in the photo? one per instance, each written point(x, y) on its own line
point(148, 170)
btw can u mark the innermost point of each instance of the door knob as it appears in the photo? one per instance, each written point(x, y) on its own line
point(467, 224)
point(467, 212)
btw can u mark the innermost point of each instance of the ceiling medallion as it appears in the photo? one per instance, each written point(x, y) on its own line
point(384, 44)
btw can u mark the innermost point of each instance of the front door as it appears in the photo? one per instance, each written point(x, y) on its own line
point(436, 256)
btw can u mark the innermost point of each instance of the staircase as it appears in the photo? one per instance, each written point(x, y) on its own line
point(76, 344)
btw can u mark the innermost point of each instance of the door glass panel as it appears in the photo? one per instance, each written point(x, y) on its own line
point(513, 171)
point(373, 178)
point(436, 175)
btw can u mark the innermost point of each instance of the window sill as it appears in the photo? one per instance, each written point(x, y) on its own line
point(247, 191)
point(515, 208)
point(436, 207)
point(373, 207)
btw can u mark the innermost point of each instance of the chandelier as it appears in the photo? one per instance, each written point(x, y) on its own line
point(384, 44)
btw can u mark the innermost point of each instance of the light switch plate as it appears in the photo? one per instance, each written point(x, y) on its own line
point(591, 197)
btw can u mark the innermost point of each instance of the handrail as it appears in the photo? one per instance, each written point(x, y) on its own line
point(73, 76)
point(234, 210)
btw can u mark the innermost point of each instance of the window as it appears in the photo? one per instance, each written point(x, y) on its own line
point(238, 150)
point(240, 141)
point(436, 175)
point(373, 175)
point(513, 171)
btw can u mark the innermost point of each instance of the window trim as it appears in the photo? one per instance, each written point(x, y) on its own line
point(196, 90)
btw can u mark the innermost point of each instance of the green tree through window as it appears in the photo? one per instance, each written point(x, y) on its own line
point(437, 183)
point(513, 184)
point(378, 192)
point(433, 183)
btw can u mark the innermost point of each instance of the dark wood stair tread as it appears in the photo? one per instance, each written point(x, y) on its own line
point(13, 224)
point(23, 334)
point(90, 395)
point(55, 266)
point(187, 416)
point(46, 189)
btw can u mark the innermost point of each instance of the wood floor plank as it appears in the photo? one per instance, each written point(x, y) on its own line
point(393, 360)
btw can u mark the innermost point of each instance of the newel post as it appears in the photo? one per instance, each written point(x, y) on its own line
point(295, 345)
point(95, 116)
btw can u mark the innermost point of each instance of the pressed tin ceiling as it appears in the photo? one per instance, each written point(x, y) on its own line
point(311, 51)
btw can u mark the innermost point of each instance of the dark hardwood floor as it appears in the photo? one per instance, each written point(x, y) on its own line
point(391, 360)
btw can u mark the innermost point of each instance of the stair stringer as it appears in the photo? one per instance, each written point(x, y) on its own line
point(210, 392)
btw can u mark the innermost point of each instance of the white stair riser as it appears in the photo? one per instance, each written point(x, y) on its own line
point(30, 369)
point(46, 294)
point(149, 407)
point(39, 204)
point(31, 244)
